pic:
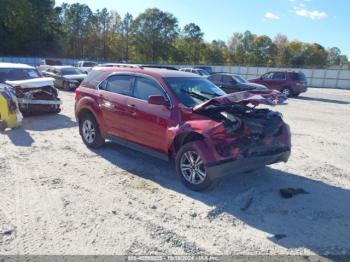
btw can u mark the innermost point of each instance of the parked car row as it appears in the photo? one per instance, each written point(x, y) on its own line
point(66, 77)
point(288, 82)
point(232, 83)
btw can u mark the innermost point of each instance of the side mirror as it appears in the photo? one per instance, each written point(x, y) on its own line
point(158, 100)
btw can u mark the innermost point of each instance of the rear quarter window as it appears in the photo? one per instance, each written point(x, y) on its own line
point(119, 84)
point(94, 78)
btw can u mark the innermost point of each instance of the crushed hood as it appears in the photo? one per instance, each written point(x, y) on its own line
point(254, 97)
point(75, 77)
point(32, 83)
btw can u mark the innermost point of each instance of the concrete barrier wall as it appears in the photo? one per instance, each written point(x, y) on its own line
point(323, 78)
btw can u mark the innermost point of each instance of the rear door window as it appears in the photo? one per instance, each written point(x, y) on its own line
point(144, 88)
point(118, 84)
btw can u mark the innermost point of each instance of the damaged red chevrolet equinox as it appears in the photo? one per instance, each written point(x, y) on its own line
point(180, 116)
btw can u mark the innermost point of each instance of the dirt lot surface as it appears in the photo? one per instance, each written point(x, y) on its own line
point(59, 197)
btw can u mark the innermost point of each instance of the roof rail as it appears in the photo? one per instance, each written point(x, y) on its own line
point(121, 65)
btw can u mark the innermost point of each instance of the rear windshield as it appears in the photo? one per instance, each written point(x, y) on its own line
point(94, 78)
point(15, 74)
point(298, 76)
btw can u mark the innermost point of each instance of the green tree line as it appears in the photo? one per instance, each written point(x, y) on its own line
point(39, 28)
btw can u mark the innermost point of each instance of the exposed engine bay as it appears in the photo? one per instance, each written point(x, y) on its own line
point(259, 121)
point(36, 96)
point(253, 131)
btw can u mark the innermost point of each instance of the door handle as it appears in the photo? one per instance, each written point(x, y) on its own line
point(132, 109)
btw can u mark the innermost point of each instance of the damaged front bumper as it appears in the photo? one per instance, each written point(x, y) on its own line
point(28, 106)
point(245, 164)
point(36, 96)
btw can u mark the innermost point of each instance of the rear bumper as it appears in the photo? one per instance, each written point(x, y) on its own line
point(217, 170)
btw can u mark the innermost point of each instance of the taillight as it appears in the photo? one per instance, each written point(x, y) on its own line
point(299, 84)
point(77, 93)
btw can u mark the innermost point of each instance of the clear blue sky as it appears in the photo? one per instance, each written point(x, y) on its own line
point(323, 21)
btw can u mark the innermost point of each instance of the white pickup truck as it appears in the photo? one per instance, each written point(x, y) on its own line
point(86, 66)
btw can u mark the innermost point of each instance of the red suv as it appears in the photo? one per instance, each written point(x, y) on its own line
point(289, 83)
point(181, 116)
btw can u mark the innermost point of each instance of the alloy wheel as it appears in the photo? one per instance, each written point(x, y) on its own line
point(89, 132)
point(286, 91)
point(192, 168)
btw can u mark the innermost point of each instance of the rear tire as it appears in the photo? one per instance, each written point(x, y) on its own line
point(90, 131)
point(191, 169)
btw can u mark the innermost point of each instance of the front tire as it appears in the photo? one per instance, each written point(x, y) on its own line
point(191, 168)
point(90, 131)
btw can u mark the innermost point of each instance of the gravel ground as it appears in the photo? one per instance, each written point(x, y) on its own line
point(59, 197)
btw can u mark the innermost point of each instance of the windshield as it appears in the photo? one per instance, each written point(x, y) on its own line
point(203, 72)
point(192, 91)
point(15, 74)
point(239, 79)
point(70, 71)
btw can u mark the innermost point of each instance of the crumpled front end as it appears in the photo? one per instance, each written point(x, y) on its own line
point(37, 96)
point(244, 139)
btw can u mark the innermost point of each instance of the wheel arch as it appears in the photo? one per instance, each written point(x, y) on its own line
point(183, 139)
point(89, 107)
